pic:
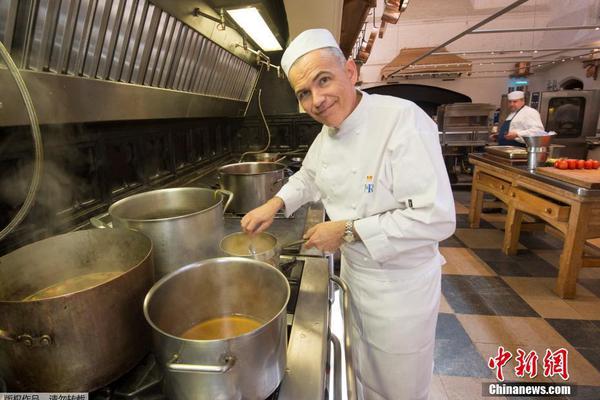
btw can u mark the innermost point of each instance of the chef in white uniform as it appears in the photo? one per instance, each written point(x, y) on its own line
point(378, 169)
point(522, 121)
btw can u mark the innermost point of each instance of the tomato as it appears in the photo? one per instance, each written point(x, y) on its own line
point(589, 164)
point(572, 163)
point(580, 164)
point(556, 163)
point(563, 165)
point(595, 164)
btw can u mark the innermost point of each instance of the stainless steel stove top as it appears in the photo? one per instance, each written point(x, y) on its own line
point(308, 317)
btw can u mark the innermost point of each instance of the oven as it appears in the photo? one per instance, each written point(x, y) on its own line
point(573, 115)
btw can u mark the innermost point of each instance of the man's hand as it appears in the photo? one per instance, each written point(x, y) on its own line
point(259, 219)
point(512, 135)
point(326, 236)
point(494, 137)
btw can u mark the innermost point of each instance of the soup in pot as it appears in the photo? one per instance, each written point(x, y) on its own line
point(241, 244)
point(222, 328)
point(73, 285)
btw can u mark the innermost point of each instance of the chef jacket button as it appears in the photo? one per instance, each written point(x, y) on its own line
point(365, 259)
point(353, 205)
point(353, 170)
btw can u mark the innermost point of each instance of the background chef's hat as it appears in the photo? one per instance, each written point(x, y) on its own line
point(306, 42)
point(516, 95)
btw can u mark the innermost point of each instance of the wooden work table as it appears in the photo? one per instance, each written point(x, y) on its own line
point(573, 210)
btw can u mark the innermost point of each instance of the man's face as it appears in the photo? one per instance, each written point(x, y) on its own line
point(514, 105)
point(324, 87)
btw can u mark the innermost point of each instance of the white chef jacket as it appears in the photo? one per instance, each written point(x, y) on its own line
point(525, 121)
point(383, 168)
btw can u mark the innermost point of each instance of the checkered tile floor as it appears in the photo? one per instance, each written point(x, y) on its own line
point(491, 299)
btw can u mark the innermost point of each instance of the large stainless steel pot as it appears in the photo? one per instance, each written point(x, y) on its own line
point(252, 183)
point(249, 366)
point(185, 224)
point(82, 340)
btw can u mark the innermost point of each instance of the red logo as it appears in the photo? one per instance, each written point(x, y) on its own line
point(555, 363)
point(526, 363)
point(499, 361)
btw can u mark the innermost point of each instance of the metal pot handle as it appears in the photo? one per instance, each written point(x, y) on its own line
point(286, 176)
point(276, 181)
point(337, 366)
point(229, 197)
point(350, 375)
point(98, 223)
point(26, 339)
point(228, 363)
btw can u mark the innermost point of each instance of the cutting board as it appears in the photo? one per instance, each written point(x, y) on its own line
point(509, 161)
point(588, 178)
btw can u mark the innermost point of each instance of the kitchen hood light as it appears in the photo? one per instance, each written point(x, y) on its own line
point(250, 20)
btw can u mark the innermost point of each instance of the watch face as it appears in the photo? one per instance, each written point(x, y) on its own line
point(348, 234)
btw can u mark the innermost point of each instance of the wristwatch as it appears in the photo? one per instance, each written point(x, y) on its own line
point(349, 232)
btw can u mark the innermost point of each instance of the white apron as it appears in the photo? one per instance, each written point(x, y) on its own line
point(394, 315)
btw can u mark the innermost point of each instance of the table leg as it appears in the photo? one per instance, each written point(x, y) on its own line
point(512, 230)
point(476, 202)
point(572, 254)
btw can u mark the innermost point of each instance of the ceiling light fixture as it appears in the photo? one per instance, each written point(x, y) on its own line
point(250, 20)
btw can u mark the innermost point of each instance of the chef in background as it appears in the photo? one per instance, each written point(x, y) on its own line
point(522, 121)
point(377, 167)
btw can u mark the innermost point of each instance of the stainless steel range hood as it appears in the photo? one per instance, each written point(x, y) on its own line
point(104, 60)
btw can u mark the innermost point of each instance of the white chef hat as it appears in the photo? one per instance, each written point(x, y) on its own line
point(516, 95)
point(307, 41)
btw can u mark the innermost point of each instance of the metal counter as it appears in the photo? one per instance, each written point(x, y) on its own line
point(306, 372)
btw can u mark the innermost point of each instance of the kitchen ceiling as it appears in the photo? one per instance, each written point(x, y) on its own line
point(429, 23)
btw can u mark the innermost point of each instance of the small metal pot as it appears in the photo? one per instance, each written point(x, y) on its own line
point(185, 224)
point(252, 183)
point(261, 247)
point(249, 366)
point(81, 337)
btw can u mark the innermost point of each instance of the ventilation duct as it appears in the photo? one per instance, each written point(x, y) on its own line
point(78, 54)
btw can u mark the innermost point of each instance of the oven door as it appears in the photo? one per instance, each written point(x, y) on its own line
point(572, 114)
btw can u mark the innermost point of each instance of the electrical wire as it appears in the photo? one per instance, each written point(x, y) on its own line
point(37, 142)
point(266, 126)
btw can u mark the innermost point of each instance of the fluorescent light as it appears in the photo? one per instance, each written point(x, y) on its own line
point(250, 20)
